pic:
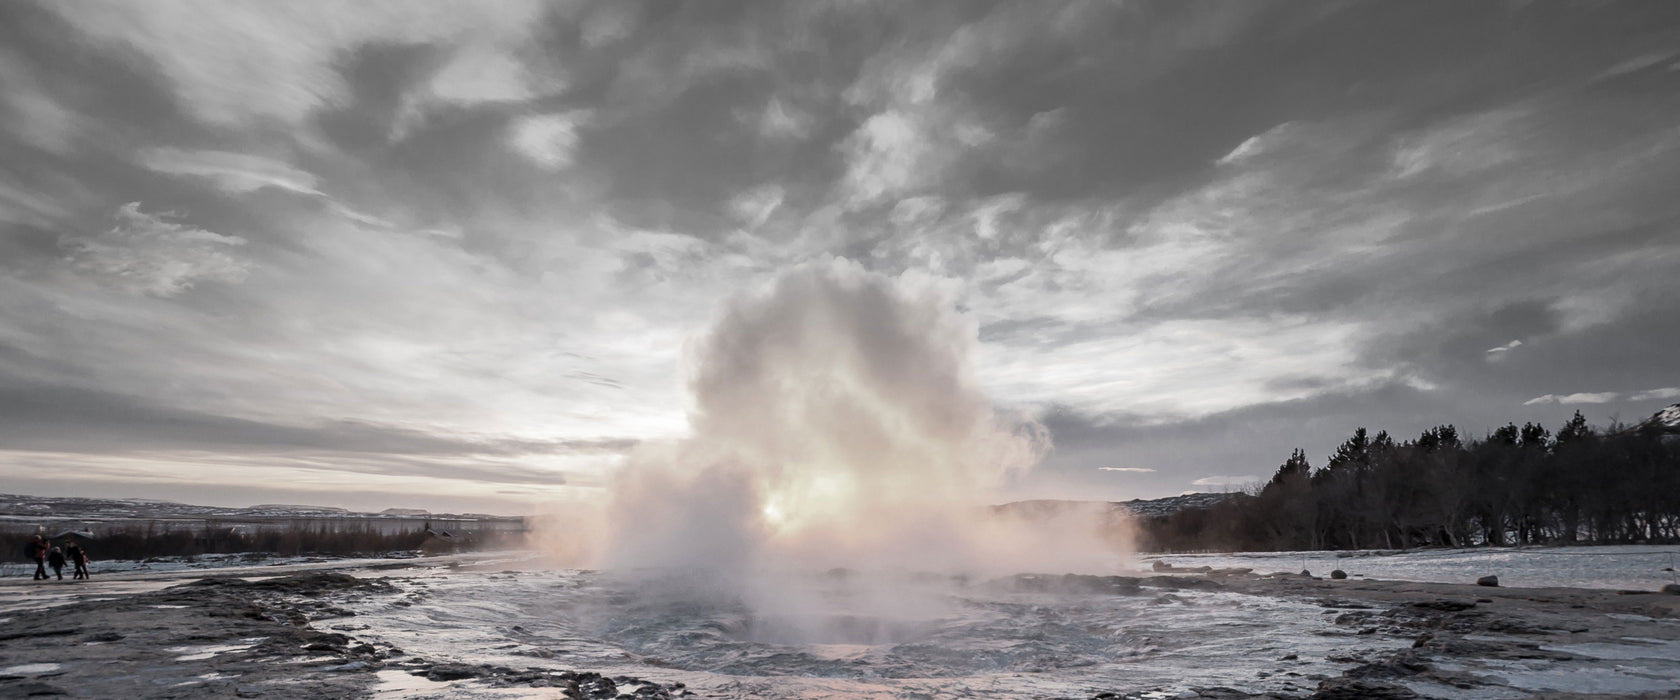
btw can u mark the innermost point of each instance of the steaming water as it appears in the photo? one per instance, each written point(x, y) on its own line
point(836, 421)
point(835, 636)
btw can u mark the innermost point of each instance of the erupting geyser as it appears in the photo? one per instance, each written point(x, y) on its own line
point(836, 422)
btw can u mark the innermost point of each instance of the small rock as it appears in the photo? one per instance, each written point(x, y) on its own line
point(1338, 574)
point(1672, 589)
point(1490, 581)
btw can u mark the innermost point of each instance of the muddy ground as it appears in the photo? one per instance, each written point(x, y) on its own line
point(293, 637)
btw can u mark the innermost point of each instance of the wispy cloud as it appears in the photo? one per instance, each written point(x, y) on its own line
point(230, 172)
point(1576, 398)
point(1670, 392)
point(1260, 144)
point(1224, 481)
point(1135, 470)
point(150, 254)
point(1605, 397)
point(546, 139)
point(236, 62)
point(1496, 354)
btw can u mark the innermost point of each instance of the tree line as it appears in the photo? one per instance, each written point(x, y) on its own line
point(1516, 486)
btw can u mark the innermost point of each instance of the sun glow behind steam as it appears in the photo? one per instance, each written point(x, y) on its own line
point(836, 423)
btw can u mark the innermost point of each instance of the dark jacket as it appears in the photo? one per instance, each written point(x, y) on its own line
point(55, 559)
point(37, 550)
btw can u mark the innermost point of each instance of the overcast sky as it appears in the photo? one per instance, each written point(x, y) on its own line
point(451, 254)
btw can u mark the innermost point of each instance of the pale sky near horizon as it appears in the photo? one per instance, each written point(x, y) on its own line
point(448, 254)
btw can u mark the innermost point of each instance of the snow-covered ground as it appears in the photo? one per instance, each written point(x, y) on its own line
point(1630, 567)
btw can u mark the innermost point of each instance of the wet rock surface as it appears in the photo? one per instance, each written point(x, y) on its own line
point(1464, 636)
point(227, 637)
point(212, 638)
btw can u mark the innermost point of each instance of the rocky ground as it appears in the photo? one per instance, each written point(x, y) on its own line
point(1466, 635)
point(280, 637)
point(293, 637)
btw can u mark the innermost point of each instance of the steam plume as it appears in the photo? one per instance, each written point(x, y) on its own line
point(836, 423)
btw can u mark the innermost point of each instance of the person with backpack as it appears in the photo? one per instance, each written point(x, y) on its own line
point(38, 552)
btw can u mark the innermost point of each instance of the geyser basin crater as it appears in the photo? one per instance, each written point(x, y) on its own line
point(904, 626)
point(882, 634)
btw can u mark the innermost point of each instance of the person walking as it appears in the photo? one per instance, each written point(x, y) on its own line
point(78, 558)
point(38, 552)
point(55, 559)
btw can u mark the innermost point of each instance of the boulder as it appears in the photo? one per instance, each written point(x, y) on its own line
point(1338, 574)
point(1491, 581)
point(1672, 589)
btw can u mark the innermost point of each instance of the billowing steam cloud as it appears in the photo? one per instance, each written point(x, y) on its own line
point(836, 423)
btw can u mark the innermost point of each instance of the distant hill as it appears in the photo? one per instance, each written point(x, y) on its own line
point(289, 509)
point(14, 506)
point(405, 511)
point(1138, 507)
point(1666, 420)
point(1173, 504)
